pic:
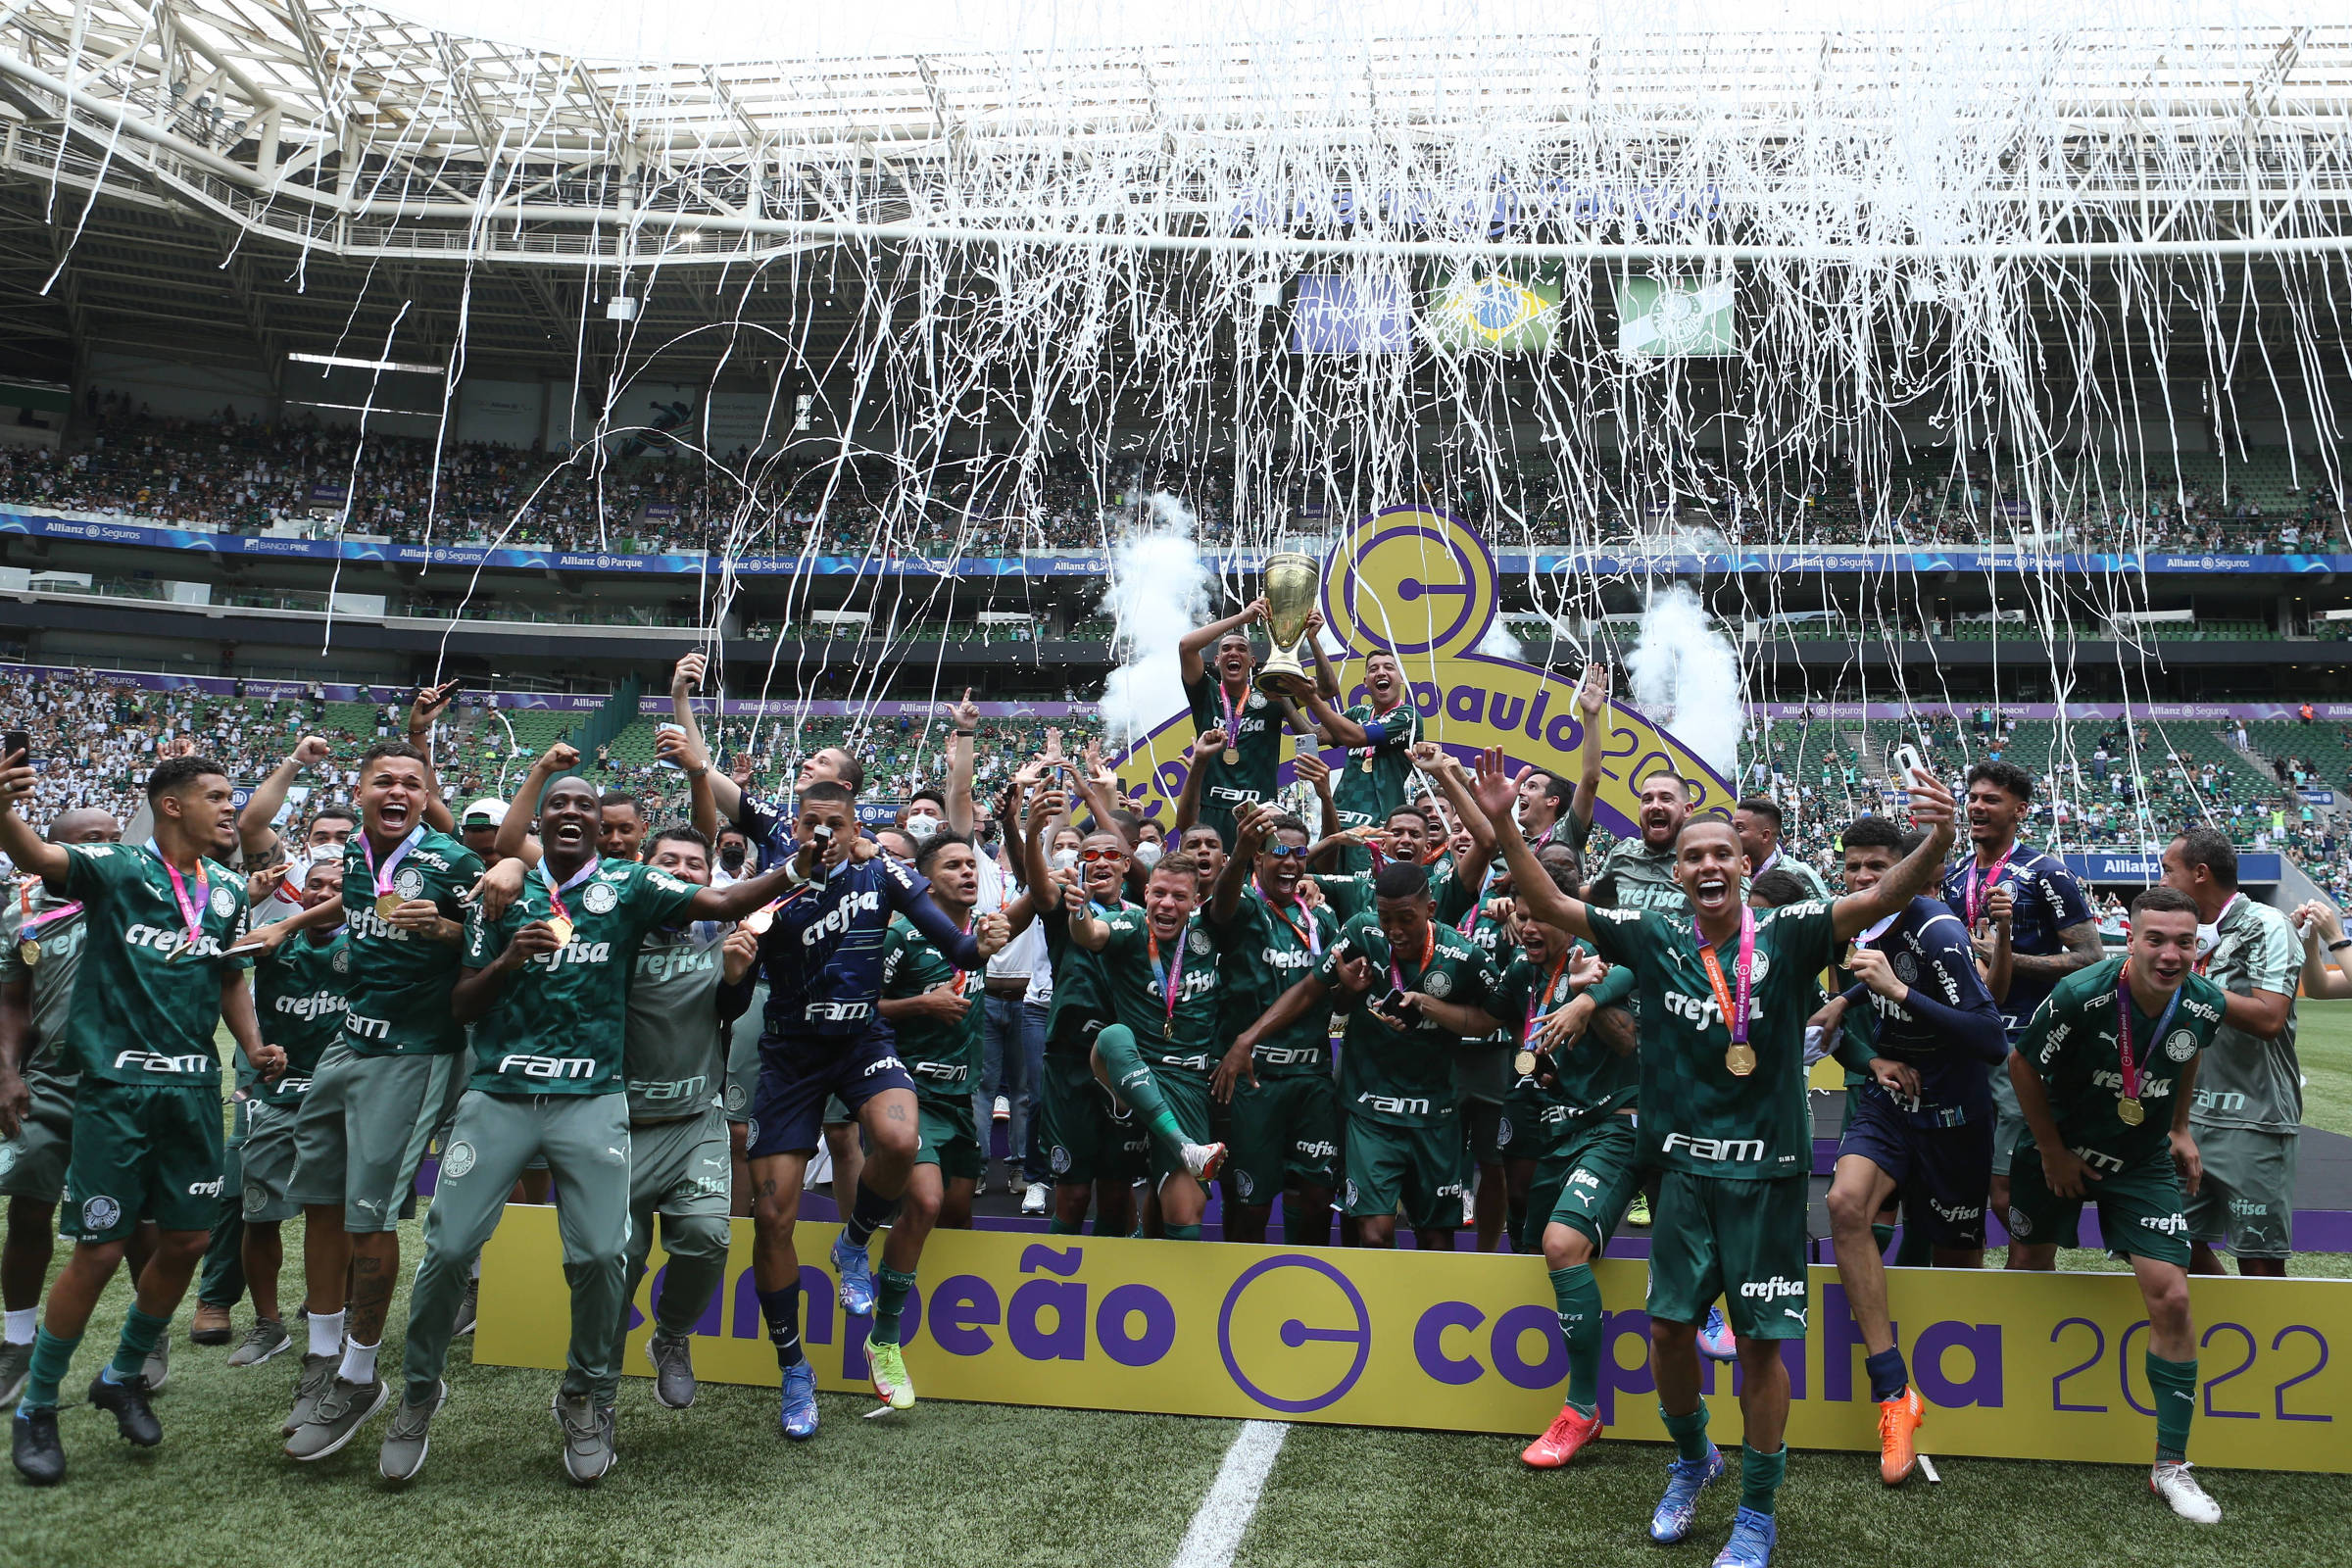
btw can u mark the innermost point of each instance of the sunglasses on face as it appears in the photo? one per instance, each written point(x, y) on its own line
point(1284, 852)
point(1090, 857)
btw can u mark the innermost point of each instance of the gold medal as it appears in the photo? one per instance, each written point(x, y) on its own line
point(1741, 1059)
point(1524, 1064)
point(1367, 762)
point(29, 951)
point(386, 904)
point(1232, 756)
point(561, 925)
point(758, 920)
point(2131, 1113)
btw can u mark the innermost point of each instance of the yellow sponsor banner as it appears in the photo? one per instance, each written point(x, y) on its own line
point(2039, 1366)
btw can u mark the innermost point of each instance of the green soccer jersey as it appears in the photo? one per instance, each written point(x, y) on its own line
point(401, 980)
point(1591, 1081)
point(142, 1013)
point(943, 1057)
point(298, 993)
point(1138, 978)
point(2247, 1080)
point(1373, 781)
point(1404, 1077)
point(1347, 894)
point(1451, 895)
point(559, 1028)
point(1080, 1006)
point(674, 1053)
point(1482, 1069)
point(1253, 729)
point(1634, 876)
point(1696, 1114)
point(2073, 1042)
point(1261, 953)
point(57, 927)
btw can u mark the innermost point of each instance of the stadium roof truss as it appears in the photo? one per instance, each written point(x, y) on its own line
point(347, 129)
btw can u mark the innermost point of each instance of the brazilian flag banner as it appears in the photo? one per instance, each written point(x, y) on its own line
point(1487, 309)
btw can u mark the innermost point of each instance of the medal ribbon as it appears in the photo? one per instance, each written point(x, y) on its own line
point(190, 909)
point(1535, 1003)
point(1735, 1017)
point(33, 923)
point(1232, 733)
point(382, 878)
point(555, 894)
point(1169, 980)
point(1429, 948)
point(1310, 938)
point(2123, 1029)
point(1980, 881)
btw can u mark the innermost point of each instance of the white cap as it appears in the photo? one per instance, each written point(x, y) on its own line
point(488, 812)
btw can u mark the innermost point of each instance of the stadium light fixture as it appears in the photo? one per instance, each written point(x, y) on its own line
point(343, 362)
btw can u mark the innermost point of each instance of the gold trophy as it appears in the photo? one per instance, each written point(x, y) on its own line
point(1292, 584)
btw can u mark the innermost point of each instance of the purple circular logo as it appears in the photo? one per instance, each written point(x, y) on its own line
point(1297, 1333)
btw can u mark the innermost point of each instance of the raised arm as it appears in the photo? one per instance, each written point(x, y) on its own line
point(1188, 663)
point(1327, 680)
point(1932, 805)
point(1495, 793)
point(1250, 837)
point(1592, 712)
point(257, 824)
point(556, 761)
point(1207, 744)
point(962, 741)
point(739, 899)
point(30, 852)
point(684, 750)
point(2326, 967)
point(1447, 774)
point(431, 704)
point(726, 794)
point(1317, 773)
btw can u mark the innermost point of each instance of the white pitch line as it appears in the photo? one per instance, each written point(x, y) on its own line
point(1231, 1501)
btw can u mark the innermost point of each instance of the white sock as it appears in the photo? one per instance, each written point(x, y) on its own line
point(22, 1323)
point(327, 1333)
point(358, 1362)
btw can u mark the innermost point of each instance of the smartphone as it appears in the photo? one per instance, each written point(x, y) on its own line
point(15, 741)
point(1907, 762)
point(660, 730)
point(821, 834)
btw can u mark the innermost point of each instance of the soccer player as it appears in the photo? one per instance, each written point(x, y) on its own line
point(2106, 1077)
point(1757, 820)
point(547, 986)
point(1404, 1131)
point(299, 994)
point(1380, 734)
point(1160, 974)
point(934, 1009)
point(1245, 770)
point(687, 985)
point(1724, 1004)
point(478, 825)
point(156, 980)
point(622, 833)
point(1922, 1114)
point(358, 1136)
point(2250, 1101)
point(2051, 931)
point(1285, 1107)
point(41, 937)
point(1585, 1086)
point(823, 961)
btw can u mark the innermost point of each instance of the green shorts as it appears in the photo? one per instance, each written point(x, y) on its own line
point(142, 1153)
point(1741, 1241)
point(2247, 1203)
point(946, 1137)
point(362, 1133)
point(1188, 1101)
point(32, 1164)
point(683, 1168)
point(1585, 1184)
point(1286, 1129)
point(269, 1159)
point(1087, 1138)
point(1417, 1170)
point(2140, 1209)
point(1530, 1125)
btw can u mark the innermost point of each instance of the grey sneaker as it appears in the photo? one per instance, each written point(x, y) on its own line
point(674, 1370)
point(407, 1438)
point(338, 1418)
point(16, 1365)
point(587, 1438)
point(264, 1339)
point(317, 1371)
point(158, 1367)
point(468, 1309)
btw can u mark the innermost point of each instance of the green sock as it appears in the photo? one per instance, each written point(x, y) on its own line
point(1881, 1235)
point(1184, 1233)
point(139, 1334)
point(1132, 1081)
point(51, 1357)
point(1579, 1296)
point(1689, 1432)
point(1057, 1226)
point(890, 1300)
point(2175, 1385)
point(1760, 1476)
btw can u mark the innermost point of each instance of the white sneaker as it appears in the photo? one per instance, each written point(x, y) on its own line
point(1004, 1108)
point(2172, 1482)
point(1205, 1160)
point(1033, 1200)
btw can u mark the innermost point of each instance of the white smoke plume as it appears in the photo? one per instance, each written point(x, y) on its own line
point(1498, 642)
point(1158, 591)
point(1687, 680)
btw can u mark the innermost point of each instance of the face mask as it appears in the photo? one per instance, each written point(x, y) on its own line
point(1064, 860)
point(730, 856)
point(920, 828)
point(1148, 854)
